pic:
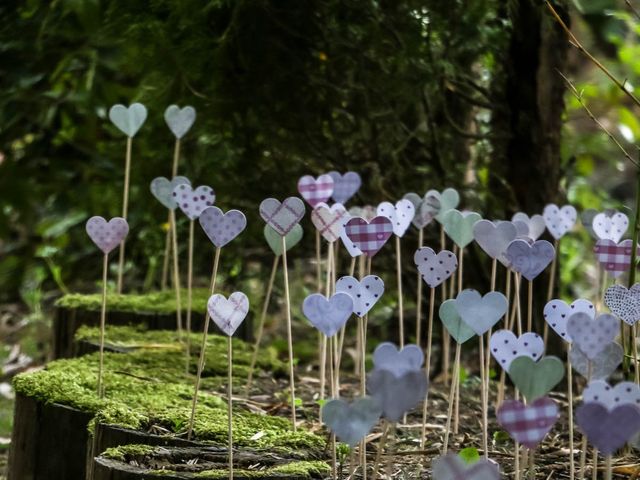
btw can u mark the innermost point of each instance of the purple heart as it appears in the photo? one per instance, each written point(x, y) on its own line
point(344, 186)
point(614, 257)
point(107, 236)
point(328, 315)
point(607, 430)
point(369, 236)
point(193, 202)
point(387, 357)
point(397, 395)
point(315, 191)
point(282, 217)
point(435, 268)
point(222, 227)
point(624, 303)
point(590, 335)
point(530, 260)
point(452, 467)
point(365, 293)
point(528, 424)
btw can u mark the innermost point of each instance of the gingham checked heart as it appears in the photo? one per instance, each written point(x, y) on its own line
point(345, 186)
point(388, 357)
point(559, 220)
point(494, 239)
point(365, 293)
point(193, 202)
point(315, 191)
point(369, 236)
point(222, 227)
point(529, 260)
point(435, 269)
point(614, 258)
point(452, 467)
point(624, 393)
point(228, 314)
point(107, 235)
point(610, 227)
point(592, 335)
point(282, 217)
point(557, 312)
point(528, 424)
point(535, 224)
point(162, 188)
point(400, 215)
point(624, 303)
point(505, 347)
point(607, 430)
point(329, 220)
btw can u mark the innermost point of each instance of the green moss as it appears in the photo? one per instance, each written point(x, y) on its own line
point(298, 469)
point(124, 452)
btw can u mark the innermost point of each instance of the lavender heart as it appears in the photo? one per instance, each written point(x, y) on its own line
point(193, 202)
point(228, 314)
point(328, 315)
point(222, 227)
point(624, 303)
point(107, 235)
point(364, 293)
point(607, 430)
point(345, 186)
point(397, 395)
point(426, 208)
point(530, 260)
point(387, 357)
point(590, 335)
point(435, 268)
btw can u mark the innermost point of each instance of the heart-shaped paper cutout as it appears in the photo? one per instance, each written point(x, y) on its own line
point(559, 220)
point(400, 215)
point(128, 119)
point(605, 363)
point(315, 190)
point(449, 199)
point(397, 395)
point(329, 220)
point(530, 260)
point(459, 226)
point(228, 314)
point(368, 212)
point(162, 188)
point(435, 269)
point(193, 202)
point(607, 430)
point(522, 230)
point(344, 186)
point(351, 422)
point(457, 328)
point(610, 227)
point(481, 313)
point(351, 247)
point(282, 216)
point(274, 239)
point(528, 424)
point(614, 258)
point(624, 303)
point(586, 218)
point(535, 224)
point(505, 347)
point(222, 227)
point(387, 357)
point(426, 208)
point(536, 379)
point(328, 315)
point(365, 293)
point(452, 467)
point(179, 120)
point(494, 239)
point(592, 335)
point(624, 393)
point(369, 237)
point(107, 235)
point(557, 313)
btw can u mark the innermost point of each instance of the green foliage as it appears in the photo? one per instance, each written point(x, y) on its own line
point(469, 455)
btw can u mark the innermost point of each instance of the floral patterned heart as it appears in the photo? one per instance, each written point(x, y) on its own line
point(530, 259)
point(193, 202)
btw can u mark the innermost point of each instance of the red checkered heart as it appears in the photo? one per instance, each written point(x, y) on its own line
point(369, 236)
point(329, 220)
point(528, 424)
point(315, 191)
point(614, 257)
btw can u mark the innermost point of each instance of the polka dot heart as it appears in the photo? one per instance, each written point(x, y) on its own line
point(107, 235)
point(435, 268)
point(365, 293)
point(592, 336)
point(557, 312)
point(624, 393)
point(505, 347)
point(222, 227)
point(400, 215)
point(559, 220)
point(194, 202)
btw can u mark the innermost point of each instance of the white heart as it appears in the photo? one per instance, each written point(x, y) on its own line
point(128, 119)
point(228, 314)
point(365, 293)
point(610, 227)
point(179, 120)
point(400, 215)
point(505, 346)
point(557, 312)
point(559, 220)
point(624, 393)
point(535, 224)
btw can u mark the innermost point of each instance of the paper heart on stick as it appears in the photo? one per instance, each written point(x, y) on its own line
point(193, 202)
point(559, 220)
point(494, 239)
point(605, 363)
point(426, 208)
point(535, 224)
point(228, 314)
point(179, 120)
point(328, 315)
point(128, 119)
point(400, 215)
point(315, 190)
point(624, 393)
point(624, 303)
point(614, 258)
point(329, 220)
point(388, 357)
point(536, 379)
point(608, 430)
point(452, 467)
point(397, 395)
point(449, 199)
point(162, 188)
point(365, 293)
point(457, 328)
point(222, 227)
point(435, 268)
point(351, 247)
point(528, 424)
point(351, 422)
point(344, 186)
point(371, 236)
point(592, 335)
point(459, 226)
point(481, 313)
point(274, 239)
point(368, 212)
point(530, 260)
point(610, 227)
point(557, 312)
point(505, 347)
point(107, 235)
point(282, 217)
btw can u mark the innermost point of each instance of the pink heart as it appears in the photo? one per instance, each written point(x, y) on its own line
point(315, 191)
point(614, 257)
point(222, 227)
point(369, 236)
point(193, 202)
point(107, 236)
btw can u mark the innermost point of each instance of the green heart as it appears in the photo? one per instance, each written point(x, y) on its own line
point(449, 199)
point(274, 239)
point(459, 227)
point(536, 379)
point(460, 331)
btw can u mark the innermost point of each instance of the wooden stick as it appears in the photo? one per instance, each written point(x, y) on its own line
point(487, 364)
point(446, 338)
point(572, 467)
point(485, 406)
point(551, 286)
point(292, 385)
point(530, 307)
point(427, 367)
point(230, 404)
point(190, 292)
point(381, 444)
point(318, 261)
point(323, 345)
point(165, 263)
point(454, 380)
point(263, 317)
point(500, 396)
point(634, 338)
point(167, 254)
point(176, 270)
point(516, 460)
point(518, 309)
point(203, 346)
point(608, 470)
point(456, 418)
point(419, 294)
point(103, 321)
point(583, 452)
point(400, 302)
point(125, 209)
point(594, 466)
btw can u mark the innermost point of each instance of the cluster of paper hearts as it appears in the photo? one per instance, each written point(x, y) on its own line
point(397, 382)
point(129, 119)
point(107, 235)
point(329, 185)
point(229, 313)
